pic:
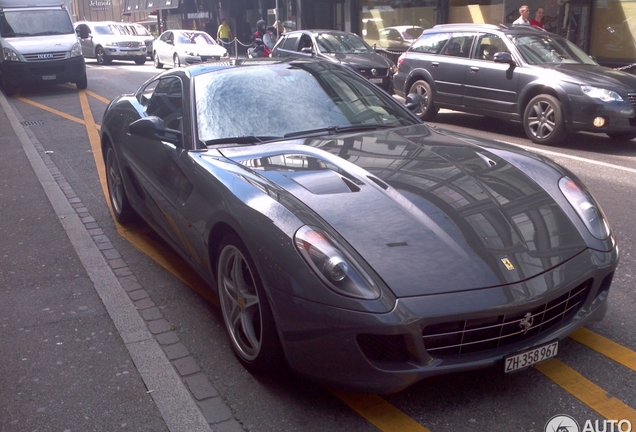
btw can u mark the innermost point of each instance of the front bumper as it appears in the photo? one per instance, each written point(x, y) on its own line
point(384, 353)
point(44, 72)
point(618, 116)
point(119, 53)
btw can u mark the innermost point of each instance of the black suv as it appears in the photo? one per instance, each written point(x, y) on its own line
point(519, 73)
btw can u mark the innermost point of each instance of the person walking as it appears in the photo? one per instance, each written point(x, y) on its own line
point(524, 13)
point(224, 34)
point(537, 21)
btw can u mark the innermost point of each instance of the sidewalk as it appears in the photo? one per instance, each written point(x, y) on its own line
point(77, 354)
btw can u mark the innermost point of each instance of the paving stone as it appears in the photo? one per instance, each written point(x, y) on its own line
point(186, 366)
point(201, 387)
point(214, 410)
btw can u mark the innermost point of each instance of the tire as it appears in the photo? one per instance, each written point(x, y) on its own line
point(621, 136)
point(116, 190)
point(175, 61)
point(155, 59)
point(8, 89)
point(82, 83)
point(543, 120)
point(140, 60)
point(245, 307)
point(100, 55)
point(427, 109)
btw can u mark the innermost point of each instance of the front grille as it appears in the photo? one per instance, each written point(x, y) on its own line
point(129, 44)
point(481, 334)
point(632, 99)
point(42, 57)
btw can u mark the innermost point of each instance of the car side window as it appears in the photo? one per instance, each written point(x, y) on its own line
point(430, 43)
point(305, 42)
point(458, 46)
point(487, 45)
point(290, 43)
point(165, 100)
point(165, 37)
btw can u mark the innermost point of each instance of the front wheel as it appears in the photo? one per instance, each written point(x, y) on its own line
point(116, 190)
point(140, 60)
point(245, 307)
point(622, 136)
point(426, 110)
point(543, 120)
point(155, 59)
point(176, 61)
point(82, 83)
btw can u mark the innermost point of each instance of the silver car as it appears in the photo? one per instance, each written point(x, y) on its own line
point(186, 47)
point(107, 41)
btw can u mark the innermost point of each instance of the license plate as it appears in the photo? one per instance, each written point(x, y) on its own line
point(533, 356)
point(376, 80)
point(48, 77)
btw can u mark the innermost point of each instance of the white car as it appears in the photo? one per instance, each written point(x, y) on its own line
point(186, 47)
point(140, 32)
point(107, 41)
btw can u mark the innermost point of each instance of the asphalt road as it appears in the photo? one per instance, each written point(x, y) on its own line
point(592, 380)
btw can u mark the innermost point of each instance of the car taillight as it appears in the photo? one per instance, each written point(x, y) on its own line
point(401, 60)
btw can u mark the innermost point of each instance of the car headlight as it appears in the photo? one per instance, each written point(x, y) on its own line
point(333, 265)
point(602, 94)
point(586, 207)
point(113, 44)
point(9, 55)
point(76, 50)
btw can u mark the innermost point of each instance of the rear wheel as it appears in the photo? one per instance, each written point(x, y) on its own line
point(543, 120)
point(176, 61)
point(427, 110)
point(155, 59)
point(246, 311)
point(622, 136)
point(116, 190)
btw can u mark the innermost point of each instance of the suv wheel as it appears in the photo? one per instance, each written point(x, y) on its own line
point(100, 55)
point(427, 110)
point(543, 120)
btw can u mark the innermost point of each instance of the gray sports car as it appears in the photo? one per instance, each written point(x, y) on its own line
point(346, 238)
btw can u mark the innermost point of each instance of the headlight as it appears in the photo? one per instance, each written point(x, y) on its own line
point(333, 265)
point(586, 207)
point(9, 55)
point(602, 94)
point(113, 44)
point(76, 51)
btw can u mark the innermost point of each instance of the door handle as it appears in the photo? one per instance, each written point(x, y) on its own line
point(474, 69)
point(435, 63)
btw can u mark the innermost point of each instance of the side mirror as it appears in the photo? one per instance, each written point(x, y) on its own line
point(82, 32)
point(414, 102)
point(503, 57)
point(152, 127)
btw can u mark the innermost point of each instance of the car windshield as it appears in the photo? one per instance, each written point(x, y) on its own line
point(342, 43)
point(290, 99)
point(412, 33)
point(35, 23)
point(544, 49)
point(105, 30)
point(195, 38)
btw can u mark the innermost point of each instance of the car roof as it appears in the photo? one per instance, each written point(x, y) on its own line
point(485, 27)
point(319, 31)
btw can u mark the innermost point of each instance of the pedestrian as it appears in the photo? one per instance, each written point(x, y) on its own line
point(537, 21)
point(524, 13)
point(224, 34)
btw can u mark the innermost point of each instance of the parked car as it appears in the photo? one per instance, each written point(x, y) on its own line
point(520, 73)
point(106, 42)
point(141, 32)
point(340, 47)
point(399, 37)
point(186, 47)
point(354, 243)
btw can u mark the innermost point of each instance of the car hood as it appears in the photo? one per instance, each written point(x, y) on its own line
point(595, 75)
point(360, 61)
point(429, 212)
point(214, 50)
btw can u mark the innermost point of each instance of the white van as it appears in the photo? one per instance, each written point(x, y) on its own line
point(38, 45)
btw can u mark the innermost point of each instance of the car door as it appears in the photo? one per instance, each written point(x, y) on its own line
point(163, 47)
point(86, 43)
point(155, 163)
point(449, 69)
point(289, 45)
point(491, 87)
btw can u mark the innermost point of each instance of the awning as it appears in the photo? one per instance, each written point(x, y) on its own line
point(132, 6)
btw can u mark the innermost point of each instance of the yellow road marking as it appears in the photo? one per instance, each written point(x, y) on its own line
point(98, 97)
point(608, 348)
point(379, 412)
point(586, 391)
point(51, 110)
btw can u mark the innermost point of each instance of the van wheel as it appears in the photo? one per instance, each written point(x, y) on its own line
point(140, 60)
point(155, 59)
point(82, 83)
point(9, 90)
point(427, 110)
point(543, 120)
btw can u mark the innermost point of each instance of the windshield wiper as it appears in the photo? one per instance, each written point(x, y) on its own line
point(248, 140)
point(332, 130)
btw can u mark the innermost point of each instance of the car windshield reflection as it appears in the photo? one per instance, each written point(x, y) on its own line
point(296, 100)
point(342, 44)
point(542, 49)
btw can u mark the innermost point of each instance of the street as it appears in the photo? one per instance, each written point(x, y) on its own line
point(593, 378)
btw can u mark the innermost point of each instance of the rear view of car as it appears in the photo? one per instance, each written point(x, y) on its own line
point(521, 73)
